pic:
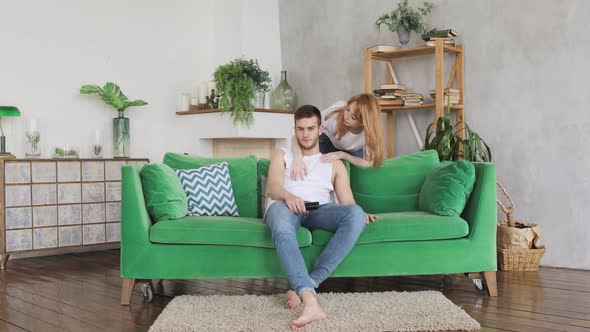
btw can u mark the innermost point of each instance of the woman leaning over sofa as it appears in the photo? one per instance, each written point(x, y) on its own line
point(351, 131)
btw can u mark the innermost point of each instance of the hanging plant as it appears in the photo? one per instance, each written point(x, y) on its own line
point(236, 82)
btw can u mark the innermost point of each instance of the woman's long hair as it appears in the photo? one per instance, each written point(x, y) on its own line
point(370, 116)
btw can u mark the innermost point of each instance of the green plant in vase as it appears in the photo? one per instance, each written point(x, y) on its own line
point(236, 84)
point(112, 95)
point(33, 138)
point(405, 19)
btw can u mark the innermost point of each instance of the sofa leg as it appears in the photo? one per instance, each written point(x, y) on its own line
point(127, 290)
point(490, 279)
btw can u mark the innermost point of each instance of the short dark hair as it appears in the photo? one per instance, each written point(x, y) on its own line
point(308, 111)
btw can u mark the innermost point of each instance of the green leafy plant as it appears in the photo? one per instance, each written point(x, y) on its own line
point(33, 138)
point(112, 95)
point(446, 140)
point(65, 153)
point(405, 18)
point(236, 82)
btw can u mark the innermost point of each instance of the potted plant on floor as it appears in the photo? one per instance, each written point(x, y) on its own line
point(112, 95)
point(405, 19)
point(237, 82)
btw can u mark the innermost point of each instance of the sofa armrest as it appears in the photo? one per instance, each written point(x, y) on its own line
point(480, 211)
point(135, 220)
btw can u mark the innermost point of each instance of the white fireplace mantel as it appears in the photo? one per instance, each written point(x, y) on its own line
point(266, 125)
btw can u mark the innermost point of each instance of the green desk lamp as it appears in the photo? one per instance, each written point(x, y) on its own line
point(6, 111)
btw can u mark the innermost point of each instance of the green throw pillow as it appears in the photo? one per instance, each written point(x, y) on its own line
point(164, 197)
point(447, 188)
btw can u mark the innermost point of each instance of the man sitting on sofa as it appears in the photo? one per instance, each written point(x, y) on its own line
point(286, 212)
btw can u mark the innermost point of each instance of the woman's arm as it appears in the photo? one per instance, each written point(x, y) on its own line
point(330, 157)
point(298, 169)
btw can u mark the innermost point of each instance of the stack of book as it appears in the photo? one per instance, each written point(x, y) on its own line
point(451, 96)
point(448, 36)
point(390, 94)
point(412, 99)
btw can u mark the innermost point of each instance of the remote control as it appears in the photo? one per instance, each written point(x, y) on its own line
point(312, 205)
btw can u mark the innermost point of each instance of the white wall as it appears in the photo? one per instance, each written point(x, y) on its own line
point(153, 49)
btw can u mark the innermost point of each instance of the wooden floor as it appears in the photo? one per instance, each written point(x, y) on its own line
point(81, 292)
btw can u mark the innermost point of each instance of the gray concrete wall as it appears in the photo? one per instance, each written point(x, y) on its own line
point(526, 79)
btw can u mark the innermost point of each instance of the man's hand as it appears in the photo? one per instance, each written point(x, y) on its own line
point(298, 169)
point(332, 156)
point(371, 218)
point(296, 204)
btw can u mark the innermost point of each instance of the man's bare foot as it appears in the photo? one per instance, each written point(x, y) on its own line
point(311, 311)
point(293, 299)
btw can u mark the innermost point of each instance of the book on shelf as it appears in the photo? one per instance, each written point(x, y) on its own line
point(447, 90)
point(383, 48)
point(442, 33)
point(392, 102)
point(445, 42)
point(392, 87)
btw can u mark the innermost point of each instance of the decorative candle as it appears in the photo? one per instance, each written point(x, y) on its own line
point(98, 136)
point(197, 95)
point(33, 126)
point(184, 100)
point(203, 92)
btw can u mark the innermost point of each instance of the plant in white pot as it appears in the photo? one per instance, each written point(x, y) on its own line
point(112, 95)
point(405, 19)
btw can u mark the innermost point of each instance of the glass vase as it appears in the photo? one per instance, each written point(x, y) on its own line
point(121, 137)
point(33, 139)
point(284, 97)
point(258, 98)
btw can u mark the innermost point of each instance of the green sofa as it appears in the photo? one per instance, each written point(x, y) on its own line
point(403, 241)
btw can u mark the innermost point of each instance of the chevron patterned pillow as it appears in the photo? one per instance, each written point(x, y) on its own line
point(208, 190)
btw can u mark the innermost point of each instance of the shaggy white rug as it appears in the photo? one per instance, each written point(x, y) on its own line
point(386, 311)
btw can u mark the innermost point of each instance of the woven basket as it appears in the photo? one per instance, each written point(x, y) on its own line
point(519, 260)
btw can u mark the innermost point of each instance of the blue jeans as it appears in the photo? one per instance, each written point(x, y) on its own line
point(347, 222)
point(326, 146)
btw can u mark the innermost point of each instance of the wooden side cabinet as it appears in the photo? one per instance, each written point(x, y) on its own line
point(58, 206)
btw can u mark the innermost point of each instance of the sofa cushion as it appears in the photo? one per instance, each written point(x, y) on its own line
point(241, 170)
point(395, 185)
point(164, 197)
point(234, 231)
point(447, 188)
point(405, 226)
point(209, 191)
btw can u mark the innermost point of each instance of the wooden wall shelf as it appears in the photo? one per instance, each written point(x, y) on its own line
point(455, 78)
point(385, 108)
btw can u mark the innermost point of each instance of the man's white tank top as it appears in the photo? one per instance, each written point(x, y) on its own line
point(315, 187)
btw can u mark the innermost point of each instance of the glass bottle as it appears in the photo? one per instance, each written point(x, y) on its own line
point(284, 97)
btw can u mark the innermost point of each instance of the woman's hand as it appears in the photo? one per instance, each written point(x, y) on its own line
point(298, 169)
point(371, 218)
point(332, 156)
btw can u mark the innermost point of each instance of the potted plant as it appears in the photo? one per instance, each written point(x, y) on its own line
point(446, 140)
point(236, 84)
point(405, 19)
point(112, 95)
